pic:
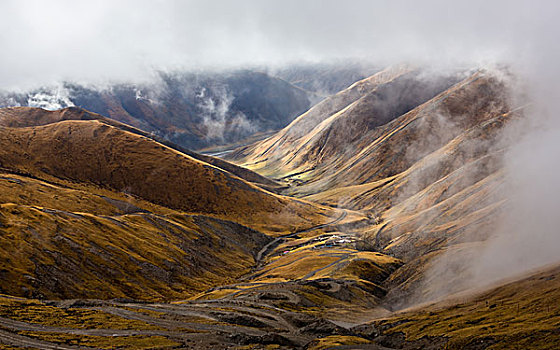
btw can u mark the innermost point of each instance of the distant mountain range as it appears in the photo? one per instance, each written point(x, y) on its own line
point(193, 110)
point(203, 109)
point(325, 79)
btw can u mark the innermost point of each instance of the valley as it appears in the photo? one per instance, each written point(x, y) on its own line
point(326, 234)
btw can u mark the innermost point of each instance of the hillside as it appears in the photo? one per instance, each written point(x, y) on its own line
point(96, 153)
point(28, 116)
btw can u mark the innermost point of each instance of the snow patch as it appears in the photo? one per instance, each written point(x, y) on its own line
point(53, 99)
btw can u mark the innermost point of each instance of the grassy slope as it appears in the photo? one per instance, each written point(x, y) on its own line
point(95, 153)
point(519, 315)
point(28, 116)
point(141, 255)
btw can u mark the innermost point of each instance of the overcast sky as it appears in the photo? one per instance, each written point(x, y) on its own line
point(96, 40)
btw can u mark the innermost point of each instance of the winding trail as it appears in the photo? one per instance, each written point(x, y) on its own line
point(17, 340)
point(7, 323)
point(273, 244)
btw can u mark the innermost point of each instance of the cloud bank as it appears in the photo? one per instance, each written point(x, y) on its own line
point(126, 40)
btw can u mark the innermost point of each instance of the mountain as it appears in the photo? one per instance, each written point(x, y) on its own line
point(333, 129)
point(194, 110)
point(22, 117)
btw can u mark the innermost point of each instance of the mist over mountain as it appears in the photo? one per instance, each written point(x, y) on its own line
point(325, 79)
point(194, 110)
point(377, 199)
point(204, 108)
point(375, 175)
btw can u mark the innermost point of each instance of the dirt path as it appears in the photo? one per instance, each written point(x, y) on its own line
point(314, 272)
point(10, 324)
point(231, 320)
point(261, 255)
point(13, 339)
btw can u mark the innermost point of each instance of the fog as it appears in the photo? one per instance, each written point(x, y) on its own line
point(43, 42)
point(98, 41)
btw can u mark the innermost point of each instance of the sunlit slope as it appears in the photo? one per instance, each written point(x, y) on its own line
point(99, 154)
point(265, 155)
point(18, 117)
point(329, 129)
point(449, 122)
point(441, 152)
point(429, 178)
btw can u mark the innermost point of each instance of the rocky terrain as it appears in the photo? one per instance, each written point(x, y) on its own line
point(320, 236)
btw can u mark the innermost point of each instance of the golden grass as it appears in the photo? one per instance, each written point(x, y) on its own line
point(336, 340)
point(98, 257)
point(369, 266)
point(36, 312)
point(32, 192)
point(352, 265)
point(95, 153)
point(295, 266)
point(215, 294)
point(100, 342)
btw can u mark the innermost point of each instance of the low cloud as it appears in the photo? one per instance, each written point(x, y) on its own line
point(44, 42)
point(217, 117)
point(52, 99)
